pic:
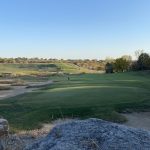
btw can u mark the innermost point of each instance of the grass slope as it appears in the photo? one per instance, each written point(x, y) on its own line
point(88, 95)
point(27, 69)
point(31, 69)
point(71, 68)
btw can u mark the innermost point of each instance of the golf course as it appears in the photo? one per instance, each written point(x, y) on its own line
point(81, 96)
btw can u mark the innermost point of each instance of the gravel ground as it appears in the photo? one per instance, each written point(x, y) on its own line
point(93, 134)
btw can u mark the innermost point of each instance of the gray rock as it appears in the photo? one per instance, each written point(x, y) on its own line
point(4, 127)
point(93, 134)
point(15, 142)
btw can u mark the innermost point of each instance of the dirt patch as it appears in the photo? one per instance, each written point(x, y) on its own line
point(39, 84)
point(138, 120)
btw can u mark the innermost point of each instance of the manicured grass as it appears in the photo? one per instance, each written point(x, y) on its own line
point(87, 95)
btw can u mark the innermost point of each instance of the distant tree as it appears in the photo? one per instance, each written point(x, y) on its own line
point(128, 62)
point(144, 61)
point(109, 68)
point(127, 58)
point(138, 53)
point(109, 60)
point(2, 60)
point(134, 66)
point(121, 65)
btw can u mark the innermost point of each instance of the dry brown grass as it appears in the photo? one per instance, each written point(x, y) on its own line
point(5, 87)
point(7, 81)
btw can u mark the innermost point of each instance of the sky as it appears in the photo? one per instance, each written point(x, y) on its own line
point(74, 29)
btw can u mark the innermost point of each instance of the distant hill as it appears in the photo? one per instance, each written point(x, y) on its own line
point(41, 69)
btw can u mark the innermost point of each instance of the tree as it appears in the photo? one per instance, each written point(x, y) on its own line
point(144, 61)
point(121, 65)
point(127, 58)
point(2, 60)
point(109, 68)
point(109, 60)
point(138, 52)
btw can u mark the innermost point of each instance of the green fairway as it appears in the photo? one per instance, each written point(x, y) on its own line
point(87, 95)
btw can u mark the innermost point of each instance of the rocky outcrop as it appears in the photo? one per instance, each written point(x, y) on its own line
point(93, 134)
point(3, 127)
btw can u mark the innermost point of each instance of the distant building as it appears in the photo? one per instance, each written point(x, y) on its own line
point(109, 68)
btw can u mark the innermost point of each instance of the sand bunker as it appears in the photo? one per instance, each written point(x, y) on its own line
point(138, 120)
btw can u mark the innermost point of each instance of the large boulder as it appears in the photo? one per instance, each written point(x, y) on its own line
point(93, 134)
point(4, 127)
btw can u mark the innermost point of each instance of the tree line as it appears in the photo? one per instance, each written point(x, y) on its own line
point(125, 63)
point(87, 63)
point(110, 65)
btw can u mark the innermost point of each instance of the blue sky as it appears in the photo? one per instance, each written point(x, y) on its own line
point(73, 28)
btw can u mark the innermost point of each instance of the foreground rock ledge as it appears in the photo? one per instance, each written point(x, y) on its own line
point(3, 127)
point(93, 134)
